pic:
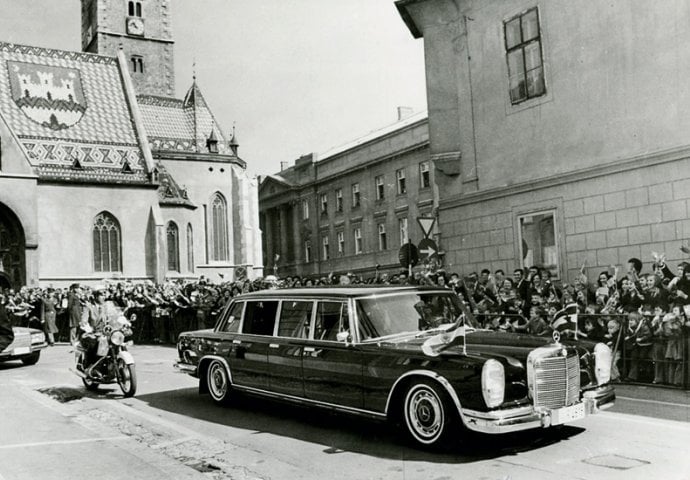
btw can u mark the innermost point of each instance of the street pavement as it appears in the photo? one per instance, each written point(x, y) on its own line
point(51, 428)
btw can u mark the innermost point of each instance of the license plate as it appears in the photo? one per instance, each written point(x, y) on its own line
point(21, 351)
point(568, 414)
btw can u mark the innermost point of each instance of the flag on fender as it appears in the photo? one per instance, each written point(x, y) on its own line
point(566, 319)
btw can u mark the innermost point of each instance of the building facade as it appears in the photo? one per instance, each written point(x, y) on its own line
point(352, 208)
point(558, 132)
point(103, 174)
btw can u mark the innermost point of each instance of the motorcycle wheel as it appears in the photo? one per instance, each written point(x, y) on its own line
point(126, 378)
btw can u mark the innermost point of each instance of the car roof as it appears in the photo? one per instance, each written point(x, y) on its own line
point(336, 291)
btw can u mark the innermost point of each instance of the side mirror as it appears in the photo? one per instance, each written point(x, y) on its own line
point(343, 336)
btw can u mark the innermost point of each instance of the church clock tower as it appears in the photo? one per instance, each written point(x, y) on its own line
point(143, 29)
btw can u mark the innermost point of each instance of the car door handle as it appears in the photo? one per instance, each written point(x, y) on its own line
point(237, 342)
point(273, 345)
point(313, 352)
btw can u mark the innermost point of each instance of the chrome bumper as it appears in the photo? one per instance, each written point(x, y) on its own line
point(185, 368)
point(527, 417)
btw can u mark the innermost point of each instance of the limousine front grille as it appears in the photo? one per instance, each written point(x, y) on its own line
point(556, 381)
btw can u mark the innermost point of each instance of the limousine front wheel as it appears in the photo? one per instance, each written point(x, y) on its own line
point(427, 414)
point(218, 382)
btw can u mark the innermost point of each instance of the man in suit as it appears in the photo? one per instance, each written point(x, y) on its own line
point(6, 333)
point(74, 310)
point(94, 317)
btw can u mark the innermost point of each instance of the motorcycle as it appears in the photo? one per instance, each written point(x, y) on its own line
point(114, 363)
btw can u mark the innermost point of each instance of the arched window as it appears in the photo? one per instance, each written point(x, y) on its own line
point(219, 228)
point(190, 248)
point(107, 244)
point(134, 8)
point(173, 241)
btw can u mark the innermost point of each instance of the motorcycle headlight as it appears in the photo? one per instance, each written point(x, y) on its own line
point(493, 383)
point(117, 338)
point(38, 337)
point(603, 358)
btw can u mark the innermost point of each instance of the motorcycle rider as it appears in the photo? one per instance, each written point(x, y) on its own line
point(94, 318)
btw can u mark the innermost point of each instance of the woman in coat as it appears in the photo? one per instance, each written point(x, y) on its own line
point(49, 315)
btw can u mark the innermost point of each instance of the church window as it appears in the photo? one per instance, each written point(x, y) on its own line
point(137, 64)
point(107, 243)
point(134, 9)
point(173, 241)
point(219, 228)
point(190, 248)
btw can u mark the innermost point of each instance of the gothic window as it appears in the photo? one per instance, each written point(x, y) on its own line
point(219, 229)
point(173, 240)
point(190, 248)
point(107, 243)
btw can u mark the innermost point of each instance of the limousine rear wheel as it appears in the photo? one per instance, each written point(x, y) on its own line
point(427, 413)
point(218, 382)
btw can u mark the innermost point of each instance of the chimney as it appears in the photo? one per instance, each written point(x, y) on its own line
point(283, 165)
point(404, 112)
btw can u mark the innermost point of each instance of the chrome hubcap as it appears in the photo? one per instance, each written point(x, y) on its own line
point(424, 413)
point(217, 380)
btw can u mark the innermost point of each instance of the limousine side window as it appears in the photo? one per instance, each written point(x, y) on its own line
point(232, 324)
point(260, 317)
point(295, 319)
point(331, 318)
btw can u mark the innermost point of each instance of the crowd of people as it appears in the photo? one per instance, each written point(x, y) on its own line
point(644, 316)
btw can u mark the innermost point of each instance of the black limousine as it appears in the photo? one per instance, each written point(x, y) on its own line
point(409, 354)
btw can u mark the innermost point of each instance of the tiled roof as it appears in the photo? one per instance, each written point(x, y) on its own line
point(181, 125)
point(69, 105)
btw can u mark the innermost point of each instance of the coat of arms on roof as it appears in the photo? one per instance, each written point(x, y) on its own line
point(50, 96)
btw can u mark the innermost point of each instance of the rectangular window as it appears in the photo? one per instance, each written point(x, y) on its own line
point(324, 204)
point(355, 195)
point(295, 319)
point(424, 179)
point(357, 233)
point(331, 318)
point(402, 228)
point(260, 317)
point(324, 248)
point(307, 251)
point(380, 189)
point(382, 237)
point(305, 209)
point(341, 243)
point(234, 316)
point(537, 241)
point(339, 200)
point(524, 57)
point(400, 177)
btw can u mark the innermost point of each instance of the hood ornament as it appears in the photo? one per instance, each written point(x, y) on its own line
point(556, 336)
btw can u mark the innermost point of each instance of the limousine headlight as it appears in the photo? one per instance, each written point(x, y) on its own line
point(493, 383)
point(603, 358)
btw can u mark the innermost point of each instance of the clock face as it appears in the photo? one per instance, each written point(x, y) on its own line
point(135, 26)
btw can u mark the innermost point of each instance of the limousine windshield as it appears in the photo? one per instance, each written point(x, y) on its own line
point(413, 313)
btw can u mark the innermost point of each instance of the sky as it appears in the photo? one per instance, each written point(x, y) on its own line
point(294, 76)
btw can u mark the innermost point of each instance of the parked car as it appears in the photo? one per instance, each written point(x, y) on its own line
point(409, 354)
point(27, 346)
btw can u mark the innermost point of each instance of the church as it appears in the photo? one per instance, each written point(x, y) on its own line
point(105, 174)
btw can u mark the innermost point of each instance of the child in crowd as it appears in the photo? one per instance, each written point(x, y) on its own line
point(536, 324)
point(613, 327)
point(658, 346)
point(639, 343)
point(671, 327)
